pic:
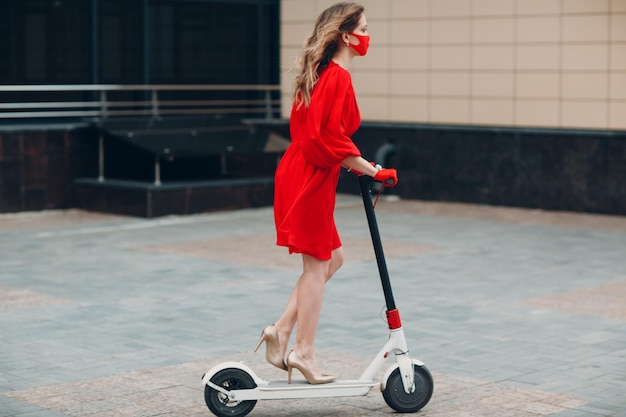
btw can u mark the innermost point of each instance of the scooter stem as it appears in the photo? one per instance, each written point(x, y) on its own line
point(364, 183)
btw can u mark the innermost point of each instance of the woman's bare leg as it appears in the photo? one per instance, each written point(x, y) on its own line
point(309, 306)
point(288, 320)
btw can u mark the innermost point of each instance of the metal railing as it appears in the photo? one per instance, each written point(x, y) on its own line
point(152, 105)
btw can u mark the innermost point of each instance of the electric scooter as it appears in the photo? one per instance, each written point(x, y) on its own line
point(232, 388)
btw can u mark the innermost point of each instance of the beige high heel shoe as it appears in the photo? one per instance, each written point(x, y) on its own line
point(294, 361)
point(269, 335)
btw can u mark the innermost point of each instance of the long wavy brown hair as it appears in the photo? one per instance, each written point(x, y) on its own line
point(321, 45)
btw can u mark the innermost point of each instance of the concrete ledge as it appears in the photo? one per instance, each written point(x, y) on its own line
point(144, 199)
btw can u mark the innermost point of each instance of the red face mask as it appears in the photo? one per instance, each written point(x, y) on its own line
point(364, 43)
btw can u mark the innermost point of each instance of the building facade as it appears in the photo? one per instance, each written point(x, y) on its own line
point(139, 41)
point(123, 43)
point(520, 63)
point(504, 102)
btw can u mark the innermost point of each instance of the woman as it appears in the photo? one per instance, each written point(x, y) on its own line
point(323, 117)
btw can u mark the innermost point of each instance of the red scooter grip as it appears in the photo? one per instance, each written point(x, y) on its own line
point(387, 176)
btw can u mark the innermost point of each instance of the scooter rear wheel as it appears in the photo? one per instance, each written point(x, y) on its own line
point(399, 400)
point(220, 404)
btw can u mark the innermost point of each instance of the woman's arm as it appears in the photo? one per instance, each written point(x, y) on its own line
point(360, 165)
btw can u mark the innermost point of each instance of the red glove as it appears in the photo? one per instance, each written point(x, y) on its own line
point(388, 176)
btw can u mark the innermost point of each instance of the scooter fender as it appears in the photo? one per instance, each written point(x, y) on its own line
point(405, 363)
point(226, 365)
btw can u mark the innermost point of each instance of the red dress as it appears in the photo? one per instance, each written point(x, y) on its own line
point(307, 175)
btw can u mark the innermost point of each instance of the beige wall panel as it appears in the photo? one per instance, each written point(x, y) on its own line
point(287, 82)
point(410, 32)
point(538, 85)
point(450, 57)
point(406, 9)
point(407, 109)
point(408, 57)
point(493, 58)
point(539, 113)
point(535, 7)
point(450, 8)
point(493, 30)
point(585, 85)
point(320, 6)
point(490, 84)
point(618, 57)
point(490, 112)
point(370, 83)
point(618, 27)
point(585, 28)
point(617, 115)
point(493, 7)
point(380, 33)
point(449, 110)
point(584, 114)
point(585, 57)
point(450, 31)
point(538, 29)
point(412, 83)
point(373, 107)
point(377, 58)
point(285, 105)
point(618, 87)
point(287, 88)
point(375, 9)
point(450, 84)
point(537, 57)
point(586, 6)
point(521, 62)
point(294, 34)
point(297, 10)
point(288, 57)
point(618, 6)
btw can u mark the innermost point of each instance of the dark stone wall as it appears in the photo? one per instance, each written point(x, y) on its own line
point(134, 199)
point(34, 170)
point(58, 168)
point(550, 169)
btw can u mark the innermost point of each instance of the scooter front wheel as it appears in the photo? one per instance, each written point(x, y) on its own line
point(229, 379)
point(399, 400)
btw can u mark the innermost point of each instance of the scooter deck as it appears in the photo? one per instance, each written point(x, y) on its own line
point(268, 390)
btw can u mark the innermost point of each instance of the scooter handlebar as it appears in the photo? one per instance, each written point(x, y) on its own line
point(386, 176)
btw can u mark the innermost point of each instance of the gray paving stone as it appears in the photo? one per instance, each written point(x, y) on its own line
point(99, 305)
point(578, 413)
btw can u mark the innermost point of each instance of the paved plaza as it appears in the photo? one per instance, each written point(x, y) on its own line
point(516, 312)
